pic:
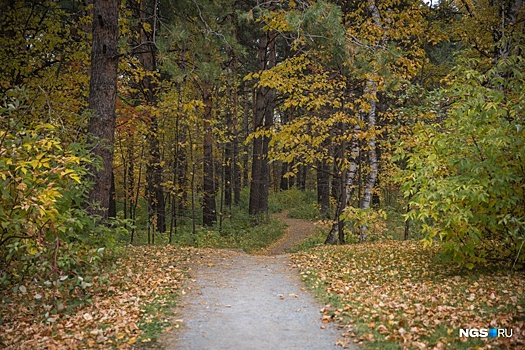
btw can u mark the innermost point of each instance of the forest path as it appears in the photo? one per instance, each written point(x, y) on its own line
point(241, 301)
point(296, 231)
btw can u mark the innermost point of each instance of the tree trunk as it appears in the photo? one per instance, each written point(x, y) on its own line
point(355, 157)
point(147, 58)
point(236, 171)
point(227, 165)
point(209, 209)
point(371, 90)
point(301, 177)
point(407, 225)
point(263, 118)
point(154, 180)
point(131, 178)
point(285, 181)
point(112, 210)
point(323, 187)
point(102, 100)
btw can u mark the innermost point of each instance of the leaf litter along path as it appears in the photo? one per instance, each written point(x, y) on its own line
point(241, 301)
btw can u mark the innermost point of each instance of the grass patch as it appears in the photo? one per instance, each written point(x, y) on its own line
point(235, 234)
point(235, 229)
point(156, 318)
point(397, 295)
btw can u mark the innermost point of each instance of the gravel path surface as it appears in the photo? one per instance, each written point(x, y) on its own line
point(241, 301)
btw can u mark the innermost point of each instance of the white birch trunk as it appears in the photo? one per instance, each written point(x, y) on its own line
point(371, 88)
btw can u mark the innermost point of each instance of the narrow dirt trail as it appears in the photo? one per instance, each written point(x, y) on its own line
point(241, 301)
point(296, 231)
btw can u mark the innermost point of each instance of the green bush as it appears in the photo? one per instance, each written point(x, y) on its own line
point(465, 175)
point(45, 234)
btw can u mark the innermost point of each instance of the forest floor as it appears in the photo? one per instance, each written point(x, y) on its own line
point(241, 301)
point(384, 294)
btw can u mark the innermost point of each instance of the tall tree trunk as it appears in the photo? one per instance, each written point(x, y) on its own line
point(135, 200)
point(355, 157)
point(323, 187)
point(371, 90)
point(102, 100)
point(147, 58)
point(112, 210)
point(263, 118)
point(228, 163)
point(249, 108)
point(209, 209)
point(236, 171)
point(301, 177)
point(131, 178)
point(182, 173)
point(285, 181)
point(345, 184)
point(337, 232)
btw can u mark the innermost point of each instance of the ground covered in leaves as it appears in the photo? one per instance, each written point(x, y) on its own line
point(119, 308)
point(393, 295)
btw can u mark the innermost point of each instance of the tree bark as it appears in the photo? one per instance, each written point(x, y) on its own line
point(371, 89)
point(263, 118)
point(147, 58)
point(229, 161)
point(355, 157)
point(112, 210)
point(285, 181)
point(209, 207)
point(323, 187)
point(102, 100)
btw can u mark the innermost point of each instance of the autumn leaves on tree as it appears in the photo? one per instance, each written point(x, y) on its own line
point(191, 102)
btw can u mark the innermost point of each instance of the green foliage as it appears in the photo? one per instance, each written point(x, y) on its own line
point(302, 204)
point(238, 232)
point(465, 176)
point(45, 234)
point(373, 220)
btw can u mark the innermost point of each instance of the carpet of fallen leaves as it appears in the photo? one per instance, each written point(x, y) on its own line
point(112, 308)
point(395, 295)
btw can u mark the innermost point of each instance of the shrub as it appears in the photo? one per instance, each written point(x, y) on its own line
point(465, 175)
point(45, 234)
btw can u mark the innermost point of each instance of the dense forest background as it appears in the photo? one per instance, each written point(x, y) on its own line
point(178, 121)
